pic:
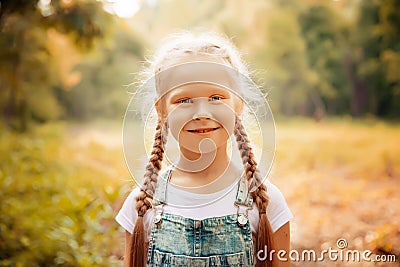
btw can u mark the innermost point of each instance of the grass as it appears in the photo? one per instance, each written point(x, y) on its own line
point(57, 201)
point(340, 178)
point(63, 183)
point(366, 150)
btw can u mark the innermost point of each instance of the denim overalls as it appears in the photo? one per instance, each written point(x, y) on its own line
point(217, 241)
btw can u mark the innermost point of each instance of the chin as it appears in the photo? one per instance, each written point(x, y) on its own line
point(205, 148)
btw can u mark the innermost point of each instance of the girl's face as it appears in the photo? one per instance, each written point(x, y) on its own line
point(199, 103)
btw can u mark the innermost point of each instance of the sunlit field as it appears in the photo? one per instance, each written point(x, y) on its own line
point(341, 179)
point(62, 184)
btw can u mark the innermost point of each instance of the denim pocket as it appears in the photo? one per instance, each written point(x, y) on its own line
point(163, 259)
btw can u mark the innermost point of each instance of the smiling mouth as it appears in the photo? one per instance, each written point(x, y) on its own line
point(204, 130)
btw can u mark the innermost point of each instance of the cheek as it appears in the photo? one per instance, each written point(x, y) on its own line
point(225, 115)
point(177, 120)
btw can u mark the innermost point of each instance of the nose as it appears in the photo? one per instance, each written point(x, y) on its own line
point(202, 111)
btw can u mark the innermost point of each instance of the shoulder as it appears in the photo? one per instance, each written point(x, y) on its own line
point(273, 192)
point(127, 215)
point(131, 197)
point(277, 201)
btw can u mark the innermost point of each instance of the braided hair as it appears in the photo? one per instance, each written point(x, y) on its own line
point(259, 194)
point(145, 196)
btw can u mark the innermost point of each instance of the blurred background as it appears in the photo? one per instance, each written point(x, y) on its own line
point(332, 73)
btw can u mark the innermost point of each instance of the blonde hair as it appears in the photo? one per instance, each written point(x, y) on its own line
point(210, 44)
point(198, 43)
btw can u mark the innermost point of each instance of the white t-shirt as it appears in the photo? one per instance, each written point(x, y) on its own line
point(201, 206)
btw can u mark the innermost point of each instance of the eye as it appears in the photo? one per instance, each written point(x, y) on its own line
point(215, 98)
point(185, 101)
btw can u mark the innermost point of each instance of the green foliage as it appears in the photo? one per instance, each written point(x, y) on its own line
point(27, 69)
point(102, 91)
point(288, 72)
point(50, 215)
point(377, 39)
point(326, 47)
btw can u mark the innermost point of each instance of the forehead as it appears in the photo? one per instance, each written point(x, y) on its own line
point(212, 71)
point(197, 90)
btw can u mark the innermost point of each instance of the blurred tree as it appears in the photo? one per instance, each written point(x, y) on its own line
point(324, 32)
point(376, 77)
point(388, 30)
point(103, 89)
point(159, 17)
point(319, 57)
point(288, 72)
point(28, 86)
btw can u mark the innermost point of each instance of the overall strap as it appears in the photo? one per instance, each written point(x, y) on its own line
point(243, 197)
point(161, 188)
point(243, 201)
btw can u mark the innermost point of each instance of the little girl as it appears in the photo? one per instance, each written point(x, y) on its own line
point(203, 210)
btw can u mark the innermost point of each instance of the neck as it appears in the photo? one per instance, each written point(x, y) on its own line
point(203, 163)
point(200, 170)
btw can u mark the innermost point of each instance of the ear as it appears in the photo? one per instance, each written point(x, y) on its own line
point(160, 108)
point(239, 105)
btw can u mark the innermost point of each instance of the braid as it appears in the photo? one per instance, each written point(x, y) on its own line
point(144, 198)
point(259, 194)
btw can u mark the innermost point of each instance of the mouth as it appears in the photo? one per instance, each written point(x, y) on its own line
point(203, 130)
